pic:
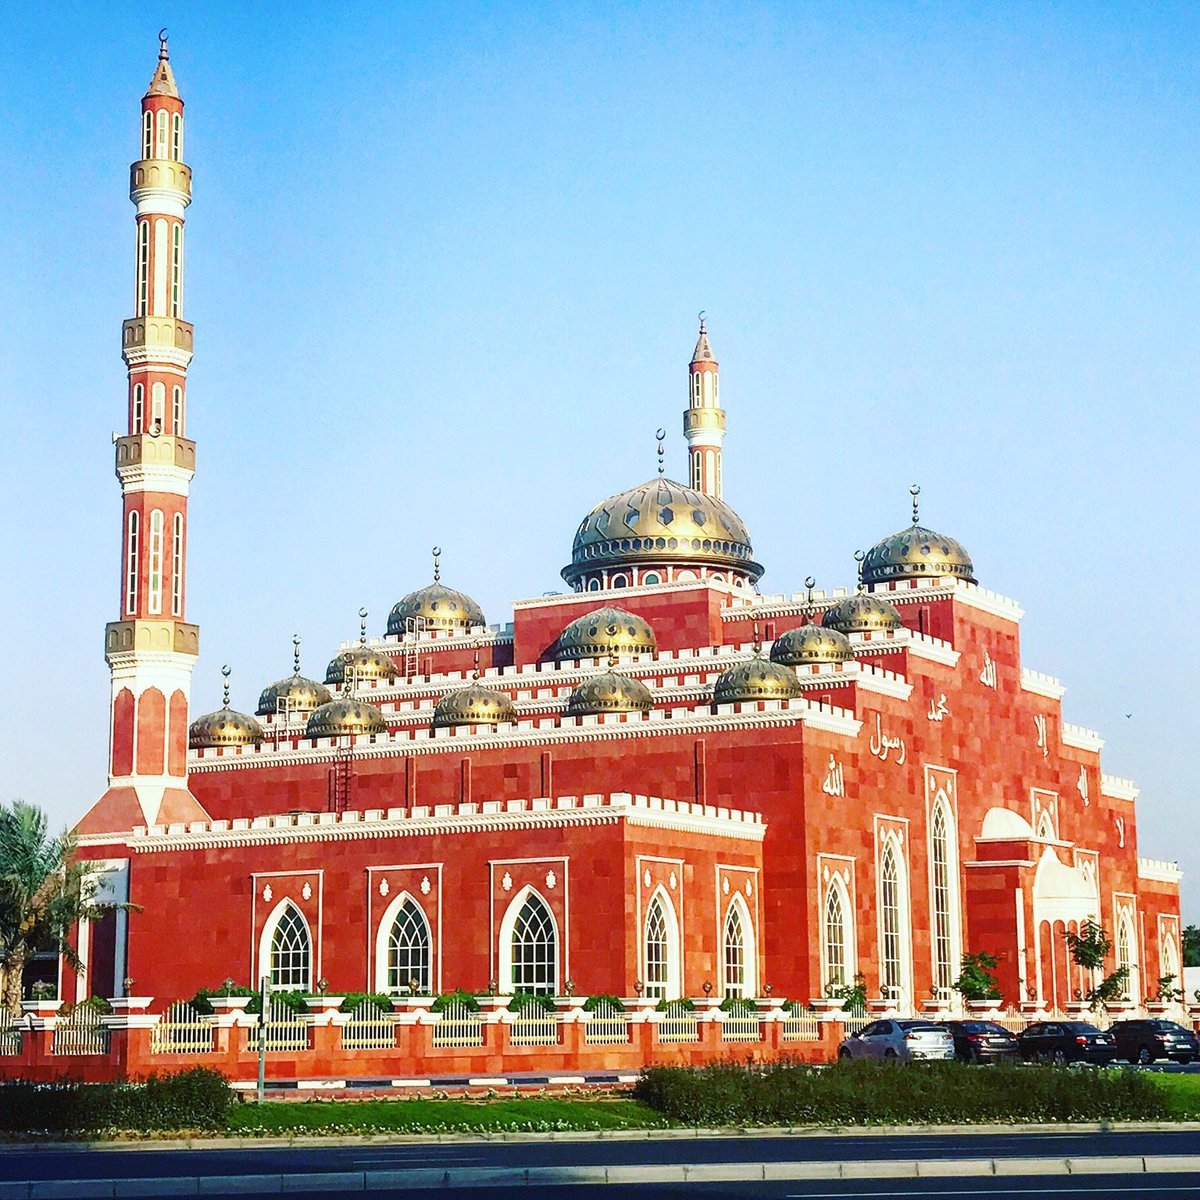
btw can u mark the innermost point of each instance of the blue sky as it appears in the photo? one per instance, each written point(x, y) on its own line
point(444, 264)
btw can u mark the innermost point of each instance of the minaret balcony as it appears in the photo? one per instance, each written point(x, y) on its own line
point(150, 175)
point(148, 449)
point(706, 420)
point(149, 338)
point(164, 636)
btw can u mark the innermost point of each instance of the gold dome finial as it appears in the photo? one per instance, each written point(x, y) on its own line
point(225, 688)
point(362, 626)
point(700, 317)
point(809, 583)
point(224, 727)
point(914, 492)
point(859, 558)
point(163, 56)
point(757, 639)
point(437, 564)
point(660, 434)
point(295, 654)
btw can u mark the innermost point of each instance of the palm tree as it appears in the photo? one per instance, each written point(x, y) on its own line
point(44, 892)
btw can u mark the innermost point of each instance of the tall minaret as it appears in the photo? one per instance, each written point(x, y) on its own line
point(704, 420)
point(151, 648)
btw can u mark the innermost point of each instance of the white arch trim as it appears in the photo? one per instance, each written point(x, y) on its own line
point(749, 945)
point(849, 941)
point(508, 924)
point(943, 801)
point(383, 933)
point(891, 841)
point(268, 936)
point(674, 948)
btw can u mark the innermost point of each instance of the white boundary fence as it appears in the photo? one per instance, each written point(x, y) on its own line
point(283, 1029)
point(10, 1035)
point(182, 1029)
point(606, 1025)
point(678, 1024)
point(459, 1026)
point(369, 1028)
point(80, 1032)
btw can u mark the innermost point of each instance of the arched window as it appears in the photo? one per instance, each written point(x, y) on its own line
point(177, 137)
point(177, 567)
point(618, 581)
point(408, 956)
point(143, 268)
point(158, 406)
point(290, 965)
point(131, 563)
point(154, 604)
point(161, 151)
point(1045, 829)
point(1125, 955)
point(1169, 960)
point(593, 585)
point(177, 411)
point(148, 135)
point(139, 407)
point(657, 952)
point(737, 951)
point(651, 577)
point(177, 270)
point(942, 879)
point(835, 937)
point(533, 948)
point(891, 960)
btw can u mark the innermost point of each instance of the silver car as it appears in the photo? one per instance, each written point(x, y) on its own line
point(900, 1041)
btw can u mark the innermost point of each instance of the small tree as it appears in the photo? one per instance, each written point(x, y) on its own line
point(1089, 948)
point(1168, 991)
point(44, 892)
point(976, 981)
point(1191, 946)
point(853, 996)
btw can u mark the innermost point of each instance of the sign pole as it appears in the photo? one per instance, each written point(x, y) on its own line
point(264, 998)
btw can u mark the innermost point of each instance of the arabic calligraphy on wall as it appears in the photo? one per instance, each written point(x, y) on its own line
point(938, 709)
point(882, 745)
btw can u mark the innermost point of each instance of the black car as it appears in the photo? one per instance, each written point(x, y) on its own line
point(982, 1041)
point(1145, 1041)
point(1067, 1042)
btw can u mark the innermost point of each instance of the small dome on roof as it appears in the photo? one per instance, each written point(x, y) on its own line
point(915, 553)
point(609, 692)
point(225, 727)
point(346, 715)
point(473, 705)
point(756, 679)
point(434, 606)
point(604, 632)
point(811, 644)
point(862, 613)
point(295, 695)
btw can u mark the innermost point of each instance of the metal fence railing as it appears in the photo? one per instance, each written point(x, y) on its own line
point(678, 1024)
point(82, 1031)
point(182, 1029)
point(606, 1026)
point(10, 1035)
point(534, 1027)
point(459, 1026)
point(283, 1029)
point(741, 1027)
point(369, 1028)
point(801, 1027)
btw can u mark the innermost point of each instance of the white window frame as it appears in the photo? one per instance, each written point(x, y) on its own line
point(132, 539)
point(673, 984)
point(939, 979)
point(177, 565)
point(147, 134)
point(177, 137)
point(265, 963)
point(158, 406)
point(837, 886)
point(746, 988)
point(383, 939)
point(177, 270)
point(177, 411)
point(143, 267)
point(507, 928)
point(161, 122)
point(155, 563)
point(139, 407)
point(891, 847)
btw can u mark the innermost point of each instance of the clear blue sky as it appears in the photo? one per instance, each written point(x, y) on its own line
point(444, 264)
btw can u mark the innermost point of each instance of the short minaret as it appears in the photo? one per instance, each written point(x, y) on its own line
point(704, 420)
point(151, 648)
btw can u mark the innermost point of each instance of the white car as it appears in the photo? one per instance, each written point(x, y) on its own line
point(902, 1041)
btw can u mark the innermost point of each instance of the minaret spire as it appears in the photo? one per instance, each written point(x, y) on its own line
point(704, 420)
point(151, 648)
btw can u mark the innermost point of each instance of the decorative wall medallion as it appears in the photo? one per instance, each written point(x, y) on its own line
point(826, 874)
point(646, 877)
point(306, 892)
point(425, 886)
point(267, 893)
point(506, 882)
point(749, 888)
point(551, 880)
point(988, 675)
point(672, 881)
point(384, 887)
point(725, 885)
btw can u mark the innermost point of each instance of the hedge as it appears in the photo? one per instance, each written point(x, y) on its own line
point(858, 1093)
point(197, 1099)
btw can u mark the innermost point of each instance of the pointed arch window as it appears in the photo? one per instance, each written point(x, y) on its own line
point(177, 567)
point(534, 949)
point(734, 953)
point(177, 411)
point(139, 407)
point(890, 953)
point(154, 604)
point(408, 951)
point(942, 887)
point(161, 133)
point(658, 952)
point(835, 938)
point(143, 267)
point(148, 135)
point(177, 137)
point(131, 562)
point(291, 952)
point(177, 271)
point(1125, 957)
point(158, 406)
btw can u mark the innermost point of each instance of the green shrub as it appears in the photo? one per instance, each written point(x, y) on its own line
point(380, 1000)
point(854, 1093)
point(594, 1002)
point(739, 1006)
point(202, 1000)
point(523, 1001)
point(196, 1099)
point(464, 998)
point(682, 1005)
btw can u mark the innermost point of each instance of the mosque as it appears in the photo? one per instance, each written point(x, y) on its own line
point(658, 783)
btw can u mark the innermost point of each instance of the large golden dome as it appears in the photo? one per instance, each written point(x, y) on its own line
point(811, 645)
point(345, 716)
point(365, 662)
point(605, 632)
point(299, 696)
point(225, 727)
point(756, 679)
point(661, 522)
point(473, 705)
point(915, 553)
point(862, 613)
point(609, 692)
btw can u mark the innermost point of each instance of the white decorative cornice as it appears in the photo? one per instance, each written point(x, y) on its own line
point(1080, 738)
point(614, 595)
point(921, 645)
point(1159, 870)
point(658, 722)
point(155, 477)
point(1115, 788)
point(972, 595)
point(1042, 685)
point(489, 816)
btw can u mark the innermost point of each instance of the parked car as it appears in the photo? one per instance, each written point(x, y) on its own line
point(903, 1041)
point(1067, 1042)
point(982, 1041)
point(1146, 1041)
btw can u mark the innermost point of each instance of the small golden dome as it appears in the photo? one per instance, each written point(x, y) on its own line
point(225, 727)
point(811, 644)
point(435, 606)
point(756, 679)
point(605, 631)
point(297, 695)
point(345, 716)
point(473, 705)
point(862, 613)
point(661, 522)
point(609, 692)
point(366, 664)
point(914, 553)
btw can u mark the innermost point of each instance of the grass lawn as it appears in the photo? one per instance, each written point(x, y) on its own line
point(1183, 1094)
point(535, 1114)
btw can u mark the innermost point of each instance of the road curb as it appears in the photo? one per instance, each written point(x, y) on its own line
point(436, 1178)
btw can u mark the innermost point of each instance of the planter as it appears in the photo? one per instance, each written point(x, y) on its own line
point(131, 1004)
point(41, 1008)
point(410, 1004)
point(226, 1004)
point(318, 1004)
